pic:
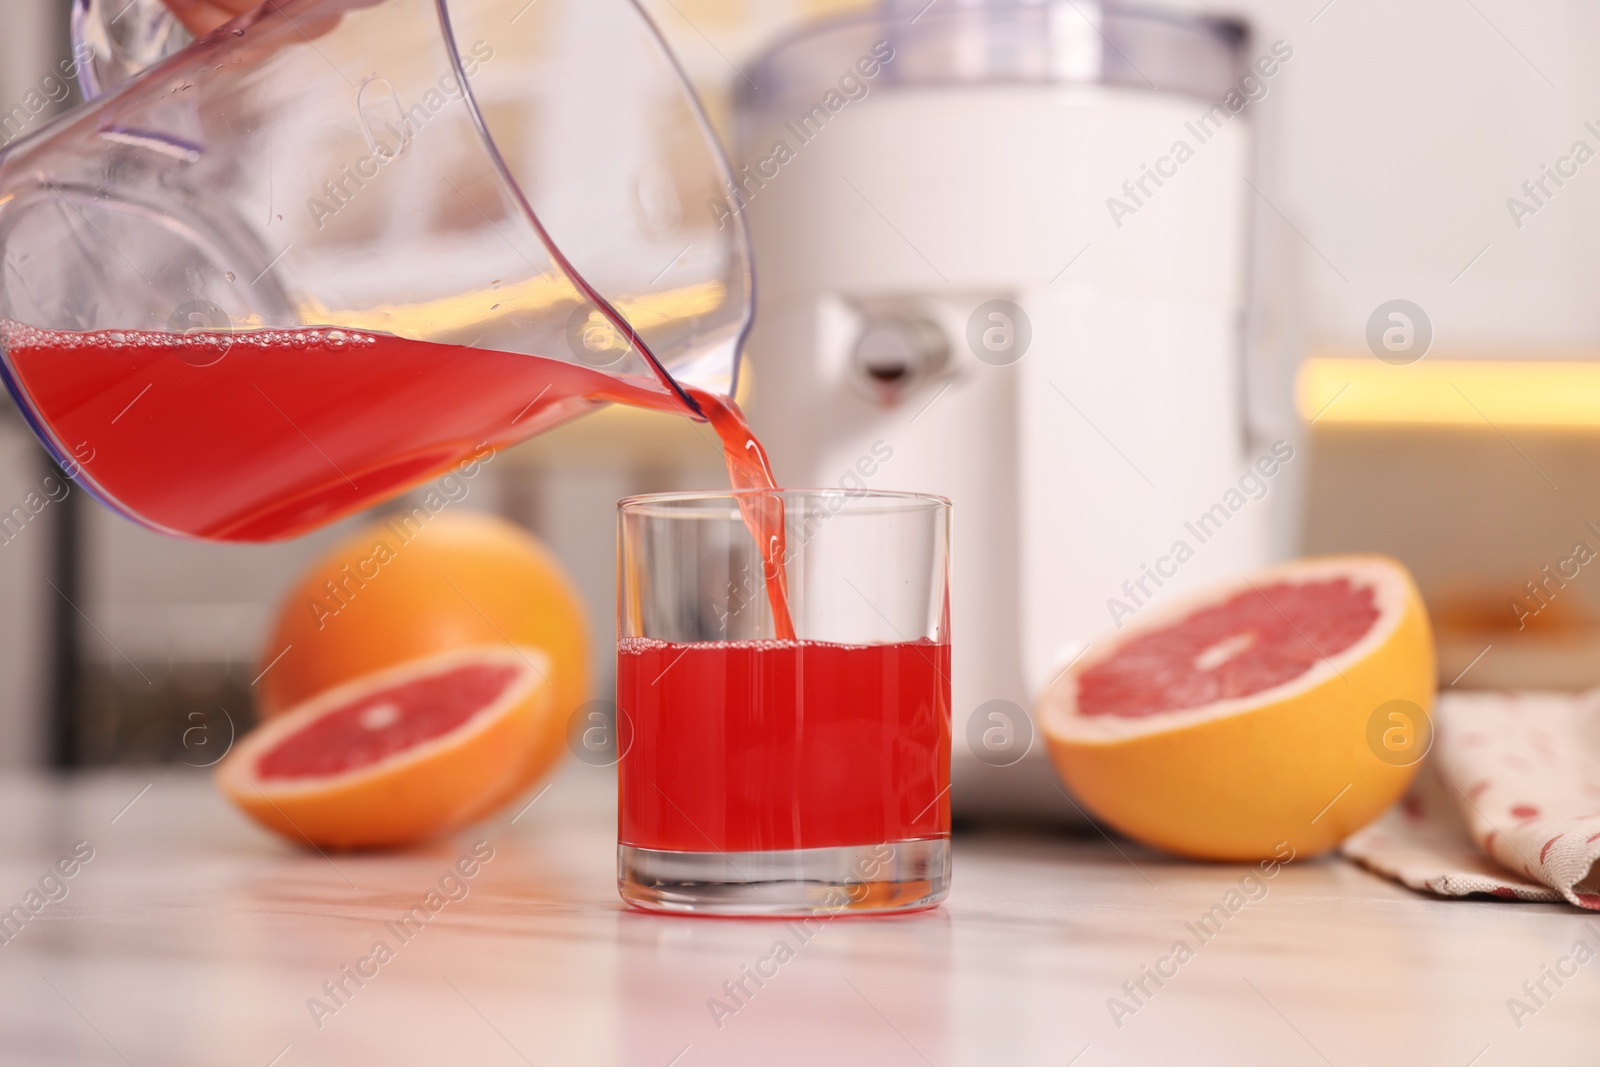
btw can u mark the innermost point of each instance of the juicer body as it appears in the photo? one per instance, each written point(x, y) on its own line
point(949, 303)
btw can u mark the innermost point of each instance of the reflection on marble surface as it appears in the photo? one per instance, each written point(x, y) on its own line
point(192, 938)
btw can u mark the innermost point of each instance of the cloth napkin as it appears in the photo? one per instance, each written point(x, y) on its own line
point(1507, 803)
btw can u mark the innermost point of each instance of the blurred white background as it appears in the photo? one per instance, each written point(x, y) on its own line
point(1390, 143)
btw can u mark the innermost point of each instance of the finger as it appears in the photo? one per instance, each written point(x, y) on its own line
point(200, 17)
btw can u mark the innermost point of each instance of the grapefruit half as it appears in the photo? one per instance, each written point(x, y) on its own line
point(396, 756)
point(410, 586)
point(1237, 721)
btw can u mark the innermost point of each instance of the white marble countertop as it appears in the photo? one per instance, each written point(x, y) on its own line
point(192, 938)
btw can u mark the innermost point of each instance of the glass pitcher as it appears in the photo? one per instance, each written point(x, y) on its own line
point(339, 246)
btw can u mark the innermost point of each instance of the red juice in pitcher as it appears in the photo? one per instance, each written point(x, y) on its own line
point(257, 435)
point(264, 434)
point(260, 434)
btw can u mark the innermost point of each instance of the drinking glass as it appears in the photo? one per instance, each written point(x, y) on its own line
point(768, 776)
point(338, 246)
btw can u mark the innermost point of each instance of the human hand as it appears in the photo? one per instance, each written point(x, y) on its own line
point(203, 16)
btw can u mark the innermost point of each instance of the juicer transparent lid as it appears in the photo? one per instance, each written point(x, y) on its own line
point(1004, 42)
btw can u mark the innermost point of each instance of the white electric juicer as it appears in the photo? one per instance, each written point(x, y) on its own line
point(986, 270)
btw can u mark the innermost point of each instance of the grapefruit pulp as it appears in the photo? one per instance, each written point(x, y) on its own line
point(396, 756)
point(1227, 725)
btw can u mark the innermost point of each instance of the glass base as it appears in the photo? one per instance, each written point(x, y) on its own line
point(848, 880)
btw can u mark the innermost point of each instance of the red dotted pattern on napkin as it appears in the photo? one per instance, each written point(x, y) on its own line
point(1509, 804)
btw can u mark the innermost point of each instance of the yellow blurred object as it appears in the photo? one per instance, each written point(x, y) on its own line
point(1450, 392)
point(819, 9)
point(451, 315)
point(1306, 762)
point(715, 12)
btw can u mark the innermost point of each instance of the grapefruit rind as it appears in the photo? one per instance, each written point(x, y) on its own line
point(421, 792)
point(1291, 764)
